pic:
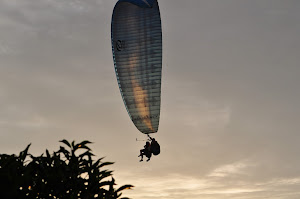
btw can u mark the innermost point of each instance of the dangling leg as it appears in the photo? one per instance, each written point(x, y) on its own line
point(148, 155)
point(141, 154)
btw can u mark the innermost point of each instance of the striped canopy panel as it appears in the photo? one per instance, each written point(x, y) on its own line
point(137, 52)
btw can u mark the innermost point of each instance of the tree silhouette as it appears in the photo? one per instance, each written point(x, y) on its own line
point(65, 174)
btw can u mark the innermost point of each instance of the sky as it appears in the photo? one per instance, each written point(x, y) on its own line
point(229, 126)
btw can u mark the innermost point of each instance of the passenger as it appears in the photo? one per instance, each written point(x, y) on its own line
point(146, 151)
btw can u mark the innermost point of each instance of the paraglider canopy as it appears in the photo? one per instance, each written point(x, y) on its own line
point(140, 3)
point(137, 51)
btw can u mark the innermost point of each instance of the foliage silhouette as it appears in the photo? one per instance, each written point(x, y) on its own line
point(61, 175)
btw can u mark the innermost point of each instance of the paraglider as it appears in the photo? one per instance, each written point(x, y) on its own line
point(136, 38)
point(149, 149)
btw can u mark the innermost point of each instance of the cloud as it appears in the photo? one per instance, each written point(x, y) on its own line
point(37, 122)
point(229, 169)
point(277, 182)
point(35, 25)
point(178, 186)
point(5, 50)
point(14, 116)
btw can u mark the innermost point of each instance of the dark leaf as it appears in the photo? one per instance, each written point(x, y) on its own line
point(47, 153)
point(65, 142)
point(105, 164)
point(124, 187)
point(87, 153)
point(85, 142)
point(23, 154)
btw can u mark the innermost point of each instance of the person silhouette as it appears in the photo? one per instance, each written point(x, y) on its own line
point(146, 152)
point(154, 146)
